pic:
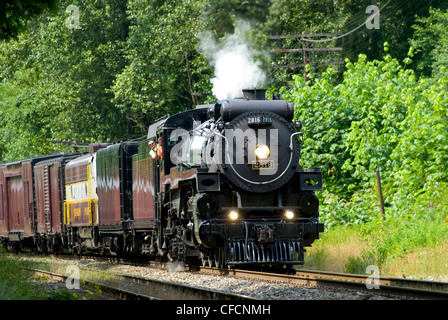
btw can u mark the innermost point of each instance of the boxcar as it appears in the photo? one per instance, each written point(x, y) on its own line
point(144, 199)
point(17, 205)
point(114, 187)
point(49, 182)
point(144, 177)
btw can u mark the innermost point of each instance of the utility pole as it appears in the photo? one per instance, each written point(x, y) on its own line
point(306, 60)
point(380, 194)
point(305, 50)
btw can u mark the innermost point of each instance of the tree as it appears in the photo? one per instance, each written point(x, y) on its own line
point(56, 80)
point(394, 26)
point(380, 117)
point(80, 65)
point(431, 42)
point(220, 16)
point(164, 73)
point(14, 14)
point(346, 18)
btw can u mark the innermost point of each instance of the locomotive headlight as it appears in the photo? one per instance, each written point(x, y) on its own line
point(233, 215)
point(262, 151)
point(289, 214)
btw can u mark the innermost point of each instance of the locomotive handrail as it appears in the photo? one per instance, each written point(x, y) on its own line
point(290, 139)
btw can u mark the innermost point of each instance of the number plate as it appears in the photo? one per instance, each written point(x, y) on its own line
point(262, 164)
point(254, 120)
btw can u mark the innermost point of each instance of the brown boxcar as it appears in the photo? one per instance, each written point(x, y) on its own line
point(114, 185)
point(17, 213)
point(50, 194)
point(143, 187)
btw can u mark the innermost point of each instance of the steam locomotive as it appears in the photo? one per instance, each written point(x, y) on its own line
point(228, 191)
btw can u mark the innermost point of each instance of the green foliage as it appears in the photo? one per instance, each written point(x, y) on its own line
point(62, 294)
point(430, 40)
point(164, 74)
point(56, 81)
point(355, 265)
point(420, 224)
point(14, 15)
point(292, 17)
point(14, 283)
point(17, 283)
point(77, 73)
point(380, 117)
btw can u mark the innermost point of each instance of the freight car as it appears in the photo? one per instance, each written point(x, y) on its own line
point(49, 196)
point(17, 203)
point(227, 191)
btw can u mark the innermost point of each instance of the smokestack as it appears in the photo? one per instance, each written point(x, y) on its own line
point(254, 94)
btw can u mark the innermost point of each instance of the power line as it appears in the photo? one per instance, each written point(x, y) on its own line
point(346, 34)
point(305, 50)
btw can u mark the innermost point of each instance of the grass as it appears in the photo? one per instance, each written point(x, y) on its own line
point(14, 281)
point(17, 283)
point(335, 248)
point(423, 263)
point(398, 251)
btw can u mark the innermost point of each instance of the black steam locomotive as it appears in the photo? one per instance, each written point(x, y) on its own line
point(228, 190)
point(232, 188)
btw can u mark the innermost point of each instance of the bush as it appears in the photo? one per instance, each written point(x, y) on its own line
point(380, 117)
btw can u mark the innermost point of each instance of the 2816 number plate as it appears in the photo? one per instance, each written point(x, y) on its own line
point(254, 120)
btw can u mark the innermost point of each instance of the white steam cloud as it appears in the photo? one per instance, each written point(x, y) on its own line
point(234, 64)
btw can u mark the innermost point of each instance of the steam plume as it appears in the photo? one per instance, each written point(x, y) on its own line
point(234, 64)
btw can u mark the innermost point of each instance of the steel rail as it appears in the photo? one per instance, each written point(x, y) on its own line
point(119, 292)
point(155, 289)
point(383, 281)
point(385, 285)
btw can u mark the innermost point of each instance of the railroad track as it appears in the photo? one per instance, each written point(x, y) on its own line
point(131, 287)
point(399, 287)
point(420, 289)
point(110, 290)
